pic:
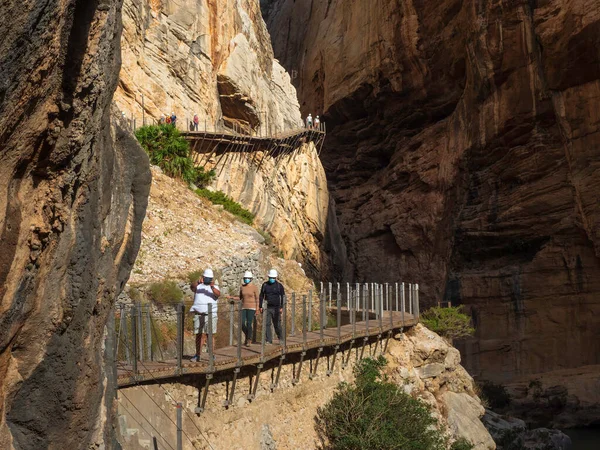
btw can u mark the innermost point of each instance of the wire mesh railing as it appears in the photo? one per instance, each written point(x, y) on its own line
point(334, 314)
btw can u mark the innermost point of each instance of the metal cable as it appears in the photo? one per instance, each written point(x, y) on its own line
point(172, 398)
point(142, 426)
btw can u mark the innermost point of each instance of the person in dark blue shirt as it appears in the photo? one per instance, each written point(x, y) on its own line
point(272, 293)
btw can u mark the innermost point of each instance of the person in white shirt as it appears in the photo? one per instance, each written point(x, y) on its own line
point(205, 293)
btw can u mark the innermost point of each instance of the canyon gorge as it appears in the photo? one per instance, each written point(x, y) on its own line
point(462, 153)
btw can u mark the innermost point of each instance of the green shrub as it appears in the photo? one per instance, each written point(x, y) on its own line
point(451, 323)
point(171, 152)
point(496, 395)
point(220, 198)
point(166, 292)
point(376, 414)
point(136, 295)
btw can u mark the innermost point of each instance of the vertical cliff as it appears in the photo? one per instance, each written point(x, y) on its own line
point(463, 153)
point(290, 199)
point(206, 57)
point(73, 192)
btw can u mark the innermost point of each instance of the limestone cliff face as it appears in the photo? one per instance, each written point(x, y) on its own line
point(206, 57)
point(463, 153)
point(73, 193)
point(289, 197)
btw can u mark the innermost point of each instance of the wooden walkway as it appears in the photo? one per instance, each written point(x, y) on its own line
point(226, 358)
point(224, 145)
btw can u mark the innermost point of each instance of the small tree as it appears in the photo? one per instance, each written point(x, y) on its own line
point(451, 323)
point(170, 151)
point(376, 414)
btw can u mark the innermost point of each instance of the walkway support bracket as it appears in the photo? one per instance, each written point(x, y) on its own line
point(252, 395)
point(204, 395)
point(314, 371)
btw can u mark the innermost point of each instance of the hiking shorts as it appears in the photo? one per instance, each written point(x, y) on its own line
point(201, 324)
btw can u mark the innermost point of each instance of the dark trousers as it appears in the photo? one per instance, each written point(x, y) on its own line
point(248, 322)
point(273, 316)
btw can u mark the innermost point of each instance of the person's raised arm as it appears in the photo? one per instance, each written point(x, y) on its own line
point(215, 290)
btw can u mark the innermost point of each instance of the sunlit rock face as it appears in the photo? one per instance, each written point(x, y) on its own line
point(462, 153)
point(206, 57)
point(73, 193)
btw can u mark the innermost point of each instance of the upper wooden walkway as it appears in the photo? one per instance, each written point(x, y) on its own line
point(215, 147)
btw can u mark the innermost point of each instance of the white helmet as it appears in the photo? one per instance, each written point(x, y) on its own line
point(208, 273)
point(272, 273)
point(248, 274)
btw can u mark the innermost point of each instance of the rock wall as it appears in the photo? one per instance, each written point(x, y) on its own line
point(184, 233)
point(289, 197)
point(73, 192)
point(206, 57)
point(463, 153)
point(420, 361)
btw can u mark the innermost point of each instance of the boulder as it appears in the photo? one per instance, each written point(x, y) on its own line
point(463, 417)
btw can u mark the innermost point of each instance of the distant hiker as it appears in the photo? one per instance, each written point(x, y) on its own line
point(205, 293)
point(173, 119)
point(161, 121)
point(272, 293)
point(317, 123)
point(196, 121)
point(309, 121)
point(249, 298)
point(168, 120)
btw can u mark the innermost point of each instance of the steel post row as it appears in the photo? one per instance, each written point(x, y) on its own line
point(383, 307)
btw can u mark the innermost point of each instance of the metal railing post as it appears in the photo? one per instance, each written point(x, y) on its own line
point(304, 324)
point(179, 427)
point(417, 306)
point(396, 286)
point(381, 292)
point(149, 353)
point(372, 308)
point(140, 331)
point(134, 342)
point(239, 335)
point(348, 297)
point(310, 294)
point(339, 316)
point(367, 317)
point(293, 330)
point(387, 297)
point(264, 334)
point(330, 286)
point(284, 325)
point(402, 302)
point(322, 316)
point(179, 311)
point(124, 333)
point(231, 318)
point(210, 343)
point(410, 298)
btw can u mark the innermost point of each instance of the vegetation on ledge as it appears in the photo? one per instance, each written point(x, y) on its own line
point(450, 323)
point(168, 150)
point(376, 413)
point(220, 198)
